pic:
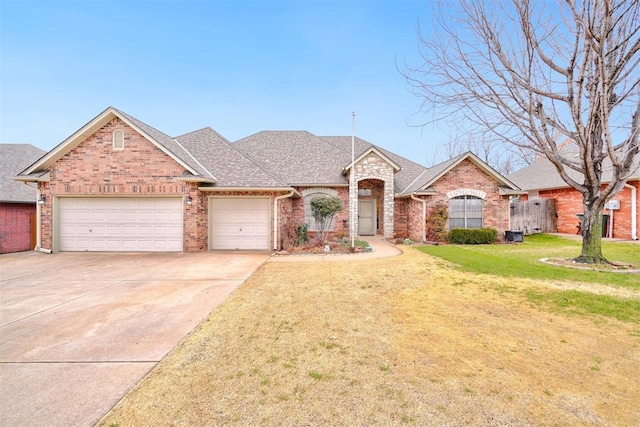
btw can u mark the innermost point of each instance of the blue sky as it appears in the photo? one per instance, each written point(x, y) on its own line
point(237, 66)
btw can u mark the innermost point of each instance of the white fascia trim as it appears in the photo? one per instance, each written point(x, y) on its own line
point(241, 189)
point(52, 155)
point(197, 179)
point(46, 177)
point(320, 185)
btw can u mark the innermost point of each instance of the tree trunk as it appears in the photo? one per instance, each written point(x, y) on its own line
point(592, 236)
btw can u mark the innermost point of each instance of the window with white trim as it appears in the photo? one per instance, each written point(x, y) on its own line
point(308, 213)
point(118, 139)
point(465, 212)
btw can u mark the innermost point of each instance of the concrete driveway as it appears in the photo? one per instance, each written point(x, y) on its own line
point(78, 331)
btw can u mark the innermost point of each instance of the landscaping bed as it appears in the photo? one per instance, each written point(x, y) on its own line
point(333, 245)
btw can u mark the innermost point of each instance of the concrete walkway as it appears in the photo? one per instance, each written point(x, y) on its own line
point(381, 249)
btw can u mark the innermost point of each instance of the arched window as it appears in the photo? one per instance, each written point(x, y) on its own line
point(465, 212)
point(118, 139)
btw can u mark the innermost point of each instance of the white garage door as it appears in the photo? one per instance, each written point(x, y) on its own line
point(120, 224)
point(239, 223)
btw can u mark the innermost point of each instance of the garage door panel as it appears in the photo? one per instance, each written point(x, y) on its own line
point(239, 223)
point(120, 224)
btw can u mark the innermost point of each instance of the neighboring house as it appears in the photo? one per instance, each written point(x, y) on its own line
point(118, 184)
point(541, 180)
point(17, 200)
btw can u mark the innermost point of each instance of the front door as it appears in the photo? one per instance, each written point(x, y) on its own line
point(366, 217)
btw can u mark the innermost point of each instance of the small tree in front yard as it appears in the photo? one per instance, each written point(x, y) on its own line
point(323, 209)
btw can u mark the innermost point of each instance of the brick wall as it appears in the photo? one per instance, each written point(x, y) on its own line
point(401, 218)
point(94, 168)
point(569, 203)
point(15, 227)
point(340, 219)
point(466, 175)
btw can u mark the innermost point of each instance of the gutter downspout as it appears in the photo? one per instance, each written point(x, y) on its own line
point(424, 216)
point(275, 217)
point(634, 211)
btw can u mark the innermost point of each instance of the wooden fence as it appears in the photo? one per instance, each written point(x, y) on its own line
point(534, 216)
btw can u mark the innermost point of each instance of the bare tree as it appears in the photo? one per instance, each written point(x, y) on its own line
point(492, 151)
point(529, 71)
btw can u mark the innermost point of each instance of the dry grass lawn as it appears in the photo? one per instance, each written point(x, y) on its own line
point(403, 340)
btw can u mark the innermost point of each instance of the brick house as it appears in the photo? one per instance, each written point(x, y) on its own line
point(118, 184)
point(17, 201)
point(541, 180)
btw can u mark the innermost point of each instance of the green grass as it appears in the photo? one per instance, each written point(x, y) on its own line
point(623, 309)
point(522, 260)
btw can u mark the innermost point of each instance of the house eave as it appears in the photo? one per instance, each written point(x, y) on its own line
point(415, 193)
point(34, 177)
point(510, 192)
point(197, 179)
point(89, 129)
point(255, 189)
point(320, 185)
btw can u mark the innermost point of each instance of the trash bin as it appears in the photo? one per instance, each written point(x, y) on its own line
point(514, 236)
point(605, 223)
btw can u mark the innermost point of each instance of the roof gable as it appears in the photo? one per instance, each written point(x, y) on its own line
point(374, 150)
point(433, 174)
point(408, 172)
point(165, 143)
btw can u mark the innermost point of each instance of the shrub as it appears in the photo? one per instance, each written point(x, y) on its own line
point(473, 236)
point(301, 234)
point(436, 224)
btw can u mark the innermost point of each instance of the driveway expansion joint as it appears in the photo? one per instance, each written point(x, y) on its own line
point(62, 303)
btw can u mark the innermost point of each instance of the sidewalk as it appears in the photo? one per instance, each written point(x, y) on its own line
point(381, 249)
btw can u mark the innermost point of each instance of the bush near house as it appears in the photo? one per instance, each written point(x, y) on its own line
point(437, 224)
point(473, 236)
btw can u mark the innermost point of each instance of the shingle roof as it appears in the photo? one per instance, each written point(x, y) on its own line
point(268, 159)
point(14, 158)
point(542, 175)
point(296, 157)
point(231, 167)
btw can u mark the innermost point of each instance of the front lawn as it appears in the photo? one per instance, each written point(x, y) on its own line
point(407, 340)
point(522, 259)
